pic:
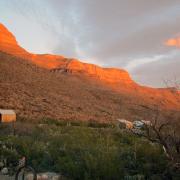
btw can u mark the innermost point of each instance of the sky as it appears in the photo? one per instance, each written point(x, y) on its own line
point(140, 36)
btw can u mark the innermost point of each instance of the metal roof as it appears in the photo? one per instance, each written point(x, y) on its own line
point(7, 111)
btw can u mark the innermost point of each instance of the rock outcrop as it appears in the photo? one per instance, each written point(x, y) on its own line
point(110, 75)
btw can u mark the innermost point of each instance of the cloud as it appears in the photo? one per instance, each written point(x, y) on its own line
point(138, 62)
point(117, 33)
point(173, 42)
point(154, 73)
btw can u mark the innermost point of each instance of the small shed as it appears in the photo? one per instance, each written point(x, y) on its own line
point(7, 116)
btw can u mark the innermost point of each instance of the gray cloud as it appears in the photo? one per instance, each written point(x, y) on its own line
point(117, 32)
point(164, 69)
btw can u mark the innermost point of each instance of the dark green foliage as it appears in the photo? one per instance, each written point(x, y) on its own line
point(82, 152)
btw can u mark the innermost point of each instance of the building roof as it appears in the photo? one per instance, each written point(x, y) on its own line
point(7, 111)
point(124, 121)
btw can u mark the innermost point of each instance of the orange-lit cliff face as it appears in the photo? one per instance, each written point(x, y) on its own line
point(9, 45)
point(110, 75)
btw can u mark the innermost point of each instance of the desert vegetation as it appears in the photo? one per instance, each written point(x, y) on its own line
point(84, 150)
point(36, 93)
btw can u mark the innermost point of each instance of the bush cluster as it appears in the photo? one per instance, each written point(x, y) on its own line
point(85, 152)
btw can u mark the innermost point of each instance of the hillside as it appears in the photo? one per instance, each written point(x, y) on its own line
point(35, 92)
point(38, 86)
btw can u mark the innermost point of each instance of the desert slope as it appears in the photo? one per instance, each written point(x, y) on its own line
point(36, 93)
point(53, 86)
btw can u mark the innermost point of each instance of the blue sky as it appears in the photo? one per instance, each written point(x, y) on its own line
point(118, 33)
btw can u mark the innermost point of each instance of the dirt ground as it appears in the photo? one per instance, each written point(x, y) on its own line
point(4, 177)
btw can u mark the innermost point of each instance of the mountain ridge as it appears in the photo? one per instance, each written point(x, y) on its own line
point(53, 86)
point(9, 44)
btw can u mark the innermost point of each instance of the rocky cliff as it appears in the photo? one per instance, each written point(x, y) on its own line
point(9, 45)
